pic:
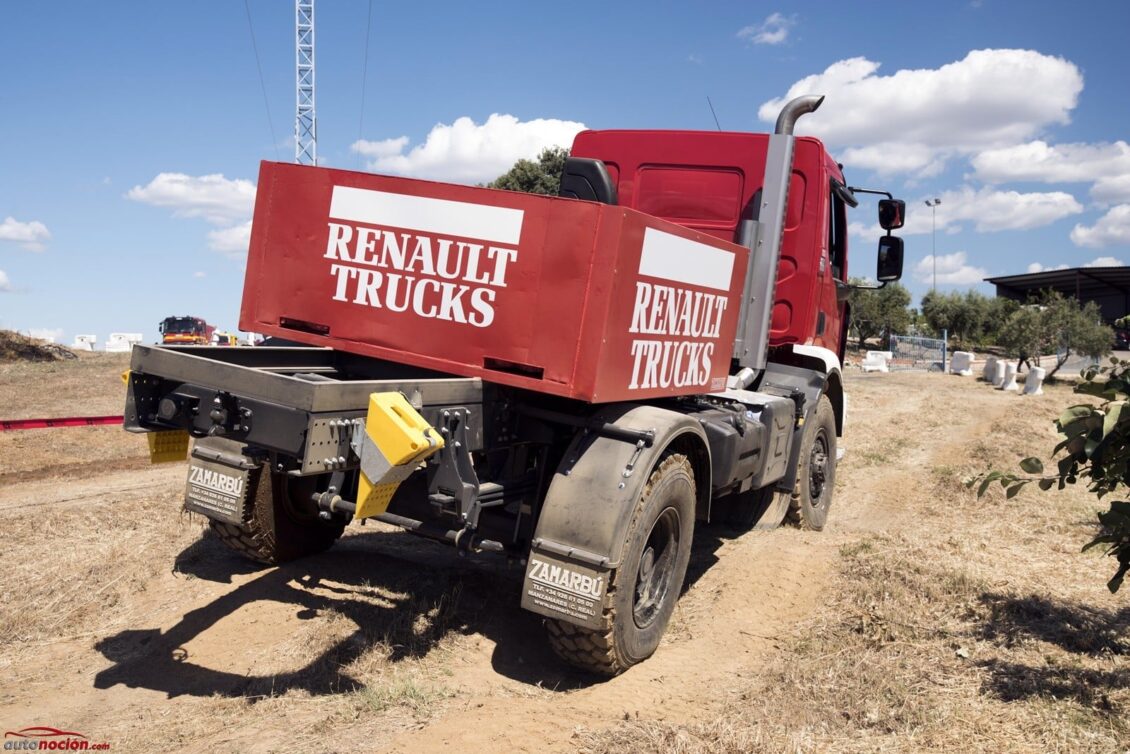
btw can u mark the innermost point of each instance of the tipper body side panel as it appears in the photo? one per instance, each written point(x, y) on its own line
point(577, 299)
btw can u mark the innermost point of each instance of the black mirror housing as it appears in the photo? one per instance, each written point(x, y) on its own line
point(892, 213)
point(890, 259)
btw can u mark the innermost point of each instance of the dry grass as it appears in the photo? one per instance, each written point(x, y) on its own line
point(88, 386)
point(16, 347)
point(976, 625)
point(951, 623)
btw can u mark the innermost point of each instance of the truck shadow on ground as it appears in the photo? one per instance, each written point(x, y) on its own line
point(403, 595)
point(1086, 633)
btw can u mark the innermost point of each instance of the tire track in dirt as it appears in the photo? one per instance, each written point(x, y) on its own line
point(747, 591)
point(762, 586)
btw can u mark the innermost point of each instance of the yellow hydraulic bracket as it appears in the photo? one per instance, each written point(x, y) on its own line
point(167, 447)
point(396, 440)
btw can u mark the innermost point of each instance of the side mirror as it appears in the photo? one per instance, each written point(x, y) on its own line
point(892, 213)
point(890, 259)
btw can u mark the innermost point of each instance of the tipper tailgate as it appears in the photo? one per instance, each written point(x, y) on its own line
point(573, 298)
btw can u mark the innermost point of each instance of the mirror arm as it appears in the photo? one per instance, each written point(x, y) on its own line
point(858, 287)
point(856, 190)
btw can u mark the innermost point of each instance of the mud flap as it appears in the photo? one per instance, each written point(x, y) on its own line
point(221, 481)
point(564, 588)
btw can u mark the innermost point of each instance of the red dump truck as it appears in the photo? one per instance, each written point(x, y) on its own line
point(574, 381)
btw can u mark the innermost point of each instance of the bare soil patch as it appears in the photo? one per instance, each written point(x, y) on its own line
point(922, 619)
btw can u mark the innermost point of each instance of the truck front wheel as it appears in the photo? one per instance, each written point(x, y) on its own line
point(816, 469)
point(283, 524)
point(643, 590)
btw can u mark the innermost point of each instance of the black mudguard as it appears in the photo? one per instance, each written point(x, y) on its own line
point(589, 505)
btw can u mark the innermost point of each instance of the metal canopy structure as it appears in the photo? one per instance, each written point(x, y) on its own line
point(305, 124)
point(1109, 287)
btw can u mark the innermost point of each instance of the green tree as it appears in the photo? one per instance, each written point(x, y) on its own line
point(878, 312)
point(967, 317)
point(1059, 326)
point(540, 176)
point(999, 310)
point(1095, 447)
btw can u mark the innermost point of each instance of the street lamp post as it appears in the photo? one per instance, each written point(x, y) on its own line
point(933, 205)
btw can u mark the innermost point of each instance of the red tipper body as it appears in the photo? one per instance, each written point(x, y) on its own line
point(590, 301)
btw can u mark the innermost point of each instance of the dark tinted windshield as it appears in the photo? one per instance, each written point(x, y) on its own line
point(180, 326)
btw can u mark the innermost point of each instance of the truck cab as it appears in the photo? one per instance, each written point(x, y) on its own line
point(709, 180)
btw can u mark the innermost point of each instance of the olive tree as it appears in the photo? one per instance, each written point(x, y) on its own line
point(540, 176)
point(1059, 326)
point(1095, 448)
point(878, 312)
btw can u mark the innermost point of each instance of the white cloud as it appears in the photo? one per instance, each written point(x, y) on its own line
point(1039, 161)
point(951, 269)
point(216, 199)
point(1106, 165)
point(1112, 229)
point(49, 334)
point(31, 235)
point(381, 150)
point(1037, 267)
point(990, 98)
point(1105, 262)
point(989, 210)
point(1112, 189)
point(213, 198)
point(466, 152)
point(5, 284)
point(199, 274)
point(892, 158)
point(231, 241)
point(774, 30)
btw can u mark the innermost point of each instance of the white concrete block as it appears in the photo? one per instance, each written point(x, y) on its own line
point(999, 373)
point(1034, 382)
point(1009, 378)
point(876, 361)
point(84, 342)
point(962, 363)
point(990, 368)
point(122, 342)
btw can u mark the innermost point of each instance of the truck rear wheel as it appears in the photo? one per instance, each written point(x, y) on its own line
point(643, 590)
point(284, 523)
point(816, 469)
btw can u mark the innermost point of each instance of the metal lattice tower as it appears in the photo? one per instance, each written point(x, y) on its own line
point(305, 123)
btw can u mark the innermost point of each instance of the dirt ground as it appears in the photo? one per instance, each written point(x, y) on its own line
point(922, 619)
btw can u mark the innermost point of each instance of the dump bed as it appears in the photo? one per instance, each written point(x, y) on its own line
point(577, 299)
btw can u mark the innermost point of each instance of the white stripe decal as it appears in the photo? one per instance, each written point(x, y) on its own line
point(441, 217)
point(676, 258)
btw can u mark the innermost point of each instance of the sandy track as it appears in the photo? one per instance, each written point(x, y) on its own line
point(192, 647)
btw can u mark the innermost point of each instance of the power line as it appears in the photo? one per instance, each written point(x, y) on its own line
point(713, 113)
point(364, 74)
point(262, 84)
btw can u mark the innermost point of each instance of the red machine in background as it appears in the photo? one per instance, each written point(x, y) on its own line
point(192, 331)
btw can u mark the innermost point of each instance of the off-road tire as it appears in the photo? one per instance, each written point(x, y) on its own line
point(283, 523)
point(761, 510)
point(633, 624)
point(816, 469)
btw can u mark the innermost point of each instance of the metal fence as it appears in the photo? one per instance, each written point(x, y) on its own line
point(910, 352)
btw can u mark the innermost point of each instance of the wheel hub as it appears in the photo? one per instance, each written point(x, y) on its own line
point(656, 568)
point(818, 466)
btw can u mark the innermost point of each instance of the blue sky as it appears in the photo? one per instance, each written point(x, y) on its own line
point(132, 131)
